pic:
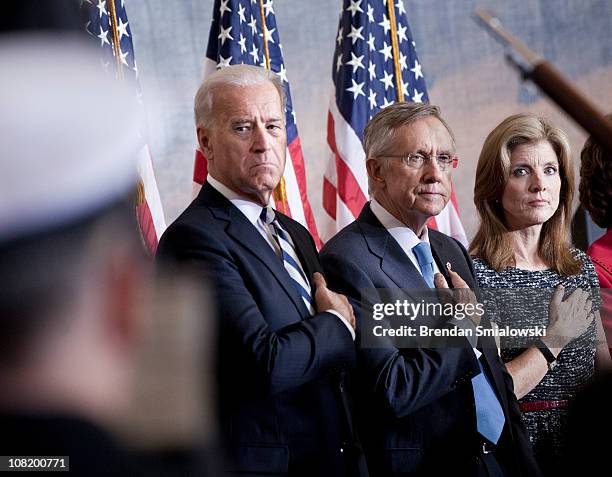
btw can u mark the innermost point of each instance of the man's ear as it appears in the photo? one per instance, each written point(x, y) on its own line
point(374, 168)
point(205, 142)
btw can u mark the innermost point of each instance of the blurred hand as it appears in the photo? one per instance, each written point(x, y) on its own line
point(326, 299)
point(568, 318)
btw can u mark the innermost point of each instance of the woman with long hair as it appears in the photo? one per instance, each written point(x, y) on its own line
point(522, 253)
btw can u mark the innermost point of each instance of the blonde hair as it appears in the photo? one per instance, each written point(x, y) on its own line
point(492, 242)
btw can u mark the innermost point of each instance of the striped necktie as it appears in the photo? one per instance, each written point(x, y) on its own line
point(289, 257)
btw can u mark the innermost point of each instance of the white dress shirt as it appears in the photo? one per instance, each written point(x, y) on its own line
point(403, 235)
point(252, 212)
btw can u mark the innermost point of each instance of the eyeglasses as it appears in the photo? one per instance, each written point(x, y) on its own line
point(416, 160)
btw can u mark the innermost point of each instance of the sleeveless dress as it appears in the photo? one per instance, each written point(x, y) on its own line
point(531, 292)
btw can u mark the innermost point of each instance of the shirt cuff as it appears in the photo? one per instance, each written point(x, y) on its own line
point(343, 320)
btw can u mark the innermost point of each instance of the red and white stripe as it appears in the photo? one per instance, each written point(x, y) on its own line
point(150, 213)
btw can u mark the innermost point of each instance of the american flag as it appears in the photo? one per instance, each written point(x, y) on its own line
point(107, 21)
point(374, 41)
point(237, 36)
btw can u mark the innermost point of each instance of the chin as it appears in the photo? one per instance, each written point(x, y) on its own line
point(269, 181)
point(432, 210)
point(529, 222)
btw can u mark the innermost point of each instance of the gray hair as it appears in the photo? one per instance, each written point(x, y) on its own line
point(236, 75)
point(379, 131)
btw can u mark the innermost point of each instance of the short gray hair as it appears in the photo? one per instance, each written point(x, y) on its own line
point(379, 131)
point(236, 75)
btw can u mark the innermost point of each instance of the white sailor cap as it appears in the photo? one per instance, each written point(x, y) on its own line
point(68, 134)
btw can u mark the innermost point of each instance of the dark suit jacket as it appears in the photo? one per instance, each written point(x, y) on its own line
point(416, 411)
point(279, 369)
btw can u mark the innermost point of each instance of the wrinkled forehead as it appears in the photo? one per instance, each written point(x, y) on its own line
point(260, 99)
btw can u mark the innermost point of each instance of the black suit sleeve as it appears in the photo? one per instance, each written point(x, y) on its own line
point(407, 379)
point(285, 359)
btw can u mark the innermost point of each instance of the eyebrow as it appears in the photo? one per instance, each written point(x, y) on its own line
point(250, 120)
point(240, 120)
point(424, 152)
point(527, 164)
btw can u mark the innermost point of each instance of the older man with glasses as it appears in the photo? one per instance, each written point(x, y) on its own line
point(422, 410)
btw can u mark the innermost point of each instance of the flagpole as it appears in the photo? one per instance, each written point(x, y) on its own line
point(280, 191)
point(116, 42)
point(395, 48)
point(264, 33)
point(140, 188)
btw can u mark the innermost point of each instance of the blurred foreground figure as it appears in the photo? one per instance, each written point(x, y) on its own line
point(74, 284)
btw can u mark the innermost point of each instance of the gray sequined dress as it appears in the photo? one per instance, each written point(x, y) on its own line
point(521, 300)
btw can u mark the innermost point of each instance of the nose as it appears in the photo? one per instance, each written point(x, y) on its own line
point(261, 140)
point(537, 183)
point(431, 171)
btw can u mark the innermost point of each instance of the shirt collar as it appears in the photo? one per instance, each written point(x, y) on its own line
point(250, 209)
point(402, 233)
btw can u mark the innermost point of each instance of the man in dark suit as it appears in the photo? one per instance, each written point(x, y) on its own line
point(284, 338)
point(423, 411)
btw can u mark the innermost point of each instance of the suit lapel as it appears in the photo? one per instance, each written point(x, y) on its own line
point(442, 256)
point(238, 227)
point(393, 261)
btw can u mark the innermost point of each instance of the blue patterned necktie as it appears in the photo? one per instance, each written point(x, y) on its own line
point(289, 257)
point(425, 259)
point(489, 413)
